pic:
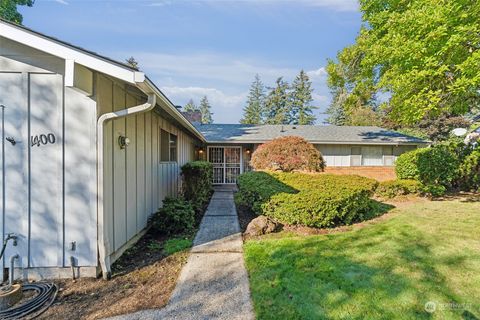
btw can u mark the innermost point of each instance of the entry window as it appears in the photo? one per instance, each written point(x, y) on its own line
point(168, 146)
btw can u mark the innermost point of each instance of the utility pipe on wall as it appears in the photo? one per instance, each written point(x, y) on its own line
point(102, 236)
point(11, 271)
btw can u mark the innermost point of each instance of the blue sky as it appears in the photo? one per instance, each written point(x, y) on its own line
point(193, 48)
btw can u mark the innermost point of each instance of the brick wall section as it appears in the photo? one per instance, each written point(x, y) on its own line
point(377, 173)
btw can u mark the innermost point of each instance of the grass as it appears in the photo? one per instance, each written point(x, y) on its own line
point(174, 245)
point(429, 251)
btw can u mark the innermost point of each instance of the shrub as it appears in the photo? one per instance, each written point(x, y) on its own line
point(437, 165)
point(288, 154)
point(255, 188)
point(470, 171)
point(175, 217)
point(394, 188)
point(197, 186)
point(434, 190)
point(306, 199)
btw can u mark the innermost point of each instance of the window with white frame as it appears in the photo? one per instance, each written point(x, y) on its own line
point(168, 146)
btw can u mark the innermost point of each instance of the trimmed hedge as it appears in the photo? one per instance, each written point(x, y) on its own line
point(394, 188)
point(197, 183)
point(175, 217)
point(312, 200)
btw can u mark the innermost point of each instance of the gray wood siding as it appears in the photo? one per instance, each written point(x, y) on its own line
point(136, 181)
point(50, 190)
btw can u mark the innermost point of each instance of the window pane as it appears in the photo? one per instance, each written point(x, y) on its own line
point(164, 151)
point(173, 147)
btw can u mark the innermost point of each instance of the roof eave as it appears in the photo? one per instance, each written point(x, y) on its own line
point(148, 86)
point(323, 142)
point(69, 53)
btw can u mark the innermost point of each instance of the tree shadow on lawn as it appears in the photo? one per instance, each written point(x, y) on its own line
point(374, 273)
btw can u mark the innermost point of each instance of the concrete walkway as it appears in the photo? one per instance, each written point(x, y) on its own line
point(214, 282)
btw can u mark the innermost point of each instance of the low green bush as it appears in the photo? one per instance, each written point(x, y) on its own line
point(197, 186)
point(177, 216)
point(394, 188)
point(434, 190)
point(470, 171)
point(315, 200)
point(257, 187)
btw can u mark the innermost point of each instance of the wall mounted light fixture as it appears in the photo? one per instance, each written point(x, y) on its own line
point(123, 142)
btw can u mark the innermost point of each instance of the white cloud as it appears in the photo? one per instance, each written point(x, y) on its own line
point(161, 3)
point(226, 108)
point(61, 2)
point(224, 79)
point(318, 73)
point(210, 68)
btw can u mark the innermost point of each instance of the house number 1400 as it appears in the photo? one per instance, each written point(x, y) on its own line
point(42, 139)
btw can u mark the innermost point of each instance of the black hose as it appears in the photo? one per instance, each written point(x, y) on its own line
point(46, 294)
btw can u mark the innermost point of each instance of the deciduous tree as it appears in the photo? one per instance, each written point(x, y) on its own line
point(8, 9)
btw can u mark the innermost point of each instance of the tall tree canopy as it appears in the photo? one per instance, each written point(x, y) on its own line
point(412, 59)
point(205, 111)
point(254, 110)
point(301, 100)
point(8, 9)
point(190, 106)
point(278, 104)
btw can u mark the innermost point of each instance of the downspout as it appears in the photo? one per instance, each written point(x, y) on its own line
point(102, 235)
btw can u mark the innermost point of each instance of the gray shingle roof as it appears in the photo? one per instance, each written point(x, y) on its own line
point(238, 133)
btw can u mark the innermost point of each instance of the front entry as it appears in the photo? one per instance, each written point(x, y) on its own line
point(227, 164)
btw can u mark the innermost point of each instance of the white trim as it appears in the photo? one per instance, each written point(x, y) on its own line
point(69, 72)
point(61, 50)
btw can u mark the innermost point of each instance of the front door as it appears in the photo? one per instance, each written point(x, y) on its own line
point(227, 164)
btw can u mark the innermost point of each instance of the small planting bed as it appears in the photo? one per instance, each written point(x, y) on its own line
point(143, 278)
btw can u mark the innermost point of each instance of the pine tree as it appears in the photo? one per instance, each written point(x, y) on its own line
point(205, 111)
point(301, 99)
point(132, 62)
point(190, 106)
point(277, 104)
point(253, 111)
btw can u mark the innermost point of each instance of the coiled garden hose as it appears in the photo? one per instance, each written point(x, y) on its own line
point(46, 294)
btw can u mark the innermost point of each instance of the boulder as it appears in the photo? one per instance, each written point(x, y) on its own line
point(262, 225)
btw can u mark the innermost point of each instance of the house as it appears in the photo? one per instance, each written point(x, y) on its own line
point(369, 151)
point(90, 147)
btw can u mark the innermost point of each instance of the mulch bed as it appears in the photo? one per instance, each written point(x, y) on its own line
point(143, 278)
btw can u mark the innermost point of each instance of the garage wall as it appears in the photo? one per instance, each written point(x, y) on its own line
point(50, 184)
point(136, 181)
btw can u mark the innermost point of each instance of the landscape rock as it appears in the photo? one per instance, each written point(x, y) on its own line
point(262, 225)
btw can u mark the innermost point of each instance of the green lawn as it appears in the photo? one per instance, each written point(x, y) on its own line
point(427, 251)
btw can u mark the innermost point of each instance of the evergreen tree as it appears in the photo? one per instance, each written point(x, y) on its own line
point(190, 106)
point(132, 62)
point(205, 111)
point(253, 112)
point(301, 99)
point(277, 104)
